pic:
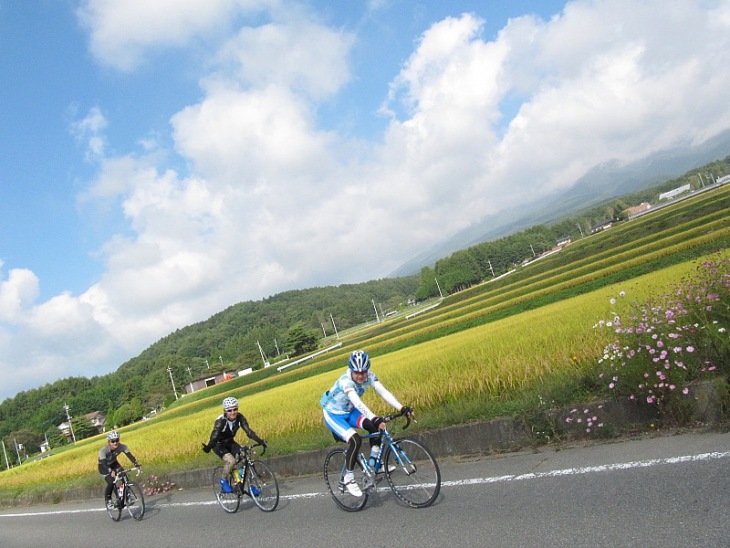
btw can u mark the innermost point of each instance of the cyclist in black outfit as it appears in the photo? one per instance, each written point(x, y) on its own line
point(225, 428)
point(109, 466)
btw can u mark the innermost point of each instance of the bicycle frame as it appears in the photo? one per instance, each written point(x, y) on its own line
point(255, 479)
point(408, 466)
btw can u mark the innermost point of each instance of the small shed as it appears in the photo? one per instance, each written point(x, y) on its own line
point(209, 380)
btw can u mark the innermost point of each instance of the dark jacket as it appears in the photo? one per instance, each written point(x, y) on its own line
point(224, 431)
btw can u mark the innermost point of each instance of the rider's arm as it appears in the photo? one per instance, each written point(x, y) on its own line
point(246, 428)
point(216, 431)
point(357, 403)
point(103, 465)
point(131, 457)
point(386, 395)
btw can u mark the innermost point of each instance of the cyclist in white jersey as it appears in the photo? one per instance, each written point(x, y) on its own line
point(344, 411)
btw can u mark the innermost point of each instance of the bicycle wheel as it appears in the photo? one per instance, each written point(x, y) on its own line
point(334, 468)
point(262, 486)
point(229, 501)
point(116, 512)
point(134, 501)
point(415, 478)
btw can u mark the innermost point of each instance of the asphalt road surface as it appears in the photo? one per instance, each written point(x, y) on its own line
point(668, 491)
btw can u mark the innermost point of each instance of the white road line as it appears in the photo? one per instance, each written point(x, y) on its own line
point(457, 483)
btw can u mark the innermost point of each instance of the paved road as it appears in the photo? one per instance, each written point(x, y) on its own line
point(671, 491)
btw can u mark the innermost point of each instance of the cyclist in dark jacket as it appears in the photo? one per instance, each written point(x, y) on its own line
point(224, 430)
point(108, 464)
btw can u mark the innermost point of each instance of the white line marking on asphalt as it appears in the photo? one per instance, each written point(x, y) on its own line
point(457, 483)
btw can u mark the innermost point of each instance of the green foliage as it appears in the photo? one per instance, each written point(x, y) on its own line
point(301, 341)
point(129, 412)
point(665, 346)
point(83, 428)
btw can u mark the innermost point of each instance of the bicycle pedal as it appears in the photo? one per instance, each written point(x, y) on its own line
point(255, 491)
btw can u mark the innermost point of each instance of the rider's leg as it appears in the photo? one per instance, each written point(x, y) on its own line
point(109, 487)
point(229, 462)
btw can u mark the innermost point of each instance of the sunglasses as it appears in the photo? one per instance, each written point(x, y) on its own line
point(231, 410)
point(113, 441)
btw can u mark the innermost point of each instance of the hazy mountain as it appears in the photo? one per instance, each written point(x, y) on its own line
point(601, 183)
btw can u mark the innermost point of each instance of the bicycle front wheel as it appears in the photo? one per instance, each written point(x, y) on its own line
point(334, 469)
point(229, 500)
point(412, 473)
point(262, 486)
point(116, 512)
point(134, 501)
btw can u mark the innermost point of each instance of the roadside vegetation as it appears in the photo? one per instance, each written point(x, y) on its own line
point(545, 344)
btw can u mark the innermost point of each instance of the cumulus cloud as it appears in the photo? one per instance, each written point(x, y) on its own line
point(122, 33)
point(270, 199)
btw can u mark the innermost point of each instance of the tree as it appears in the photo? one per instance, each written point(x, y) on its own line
point(129, 412)
point(83, 428)
point(301, 341)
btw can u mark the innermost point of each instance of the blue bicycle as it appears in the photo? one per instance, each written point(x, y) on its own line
point(408, 466)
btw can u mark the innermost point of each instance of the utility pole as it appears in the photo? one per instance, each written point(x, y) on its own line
point(276, 345)
point(68, 416)
point(439, 288)
point(334, 326)
point(17, 451)
point(261, 351)
point(533, 251)
point(207, 364)
point(323, 331)
point(5, 454)
point(581, 230)
point(169, 371)
point(490, 267)
point(376, 310)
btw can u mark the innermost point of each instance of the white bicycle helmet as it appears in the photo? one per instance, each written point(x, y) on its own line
point(229, 403)
point(113, 436)
point(359, 361)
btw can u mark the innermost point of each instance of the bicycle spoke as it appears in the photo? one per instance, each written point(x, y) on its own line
point(415, 477)
point(116, 512)
point(334, 467)
point(134, 502)
point(229, 501)
point(262, 486)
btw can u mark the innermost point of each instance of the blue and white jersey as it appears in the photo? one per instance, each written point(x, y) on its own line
point(345, 395)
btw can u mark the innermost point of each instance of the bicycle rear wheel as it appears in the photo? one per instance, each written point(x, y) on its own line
point(116, 512)
point(229, 501)
point(415, 478)
point(134, 501)
point(334, 468)
point(262, 486)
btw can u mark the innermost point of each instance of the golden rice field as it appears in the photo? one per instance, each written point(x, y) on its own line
point(485, 363)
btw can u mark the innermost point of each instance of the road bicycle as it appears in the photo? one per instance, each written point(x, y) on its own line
point(408, 466)
point(249, 477)
point(127, 494)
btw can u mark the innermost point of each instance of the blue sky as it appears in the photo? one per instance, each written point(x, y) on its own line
point(164, 160)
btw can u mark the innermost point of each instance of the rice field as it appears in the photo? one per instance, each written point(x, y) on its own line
point(488, 363)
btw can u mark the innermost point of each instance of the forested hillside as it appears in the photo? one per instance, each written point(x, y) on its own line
point(289, 323)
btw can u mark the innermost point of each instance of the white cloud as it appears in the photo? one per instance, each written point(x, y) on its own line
point(121, 32)
point(89, 131)
point(302, 56)
point(16, 293)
